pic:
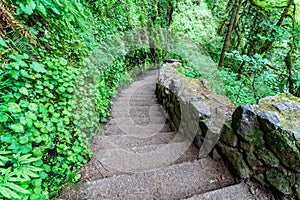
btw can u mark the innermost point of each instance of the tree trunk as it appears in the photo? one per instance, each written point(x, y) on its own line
point(231, 25)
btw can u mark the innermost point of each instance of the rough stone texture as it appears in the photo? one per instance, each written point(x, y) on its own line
point(269, 121)
point(267, 157)
point(196, 103)
point(227, 135)
point(235, 192)
point(281, 143)
point(209, 120)
point(236, 161)
point(280, 181)
point(244, 122)
point(173, 182)
point(268, 142)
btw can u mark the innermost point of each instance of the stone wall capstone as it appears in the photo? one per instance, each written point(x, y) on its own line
point(260, 142)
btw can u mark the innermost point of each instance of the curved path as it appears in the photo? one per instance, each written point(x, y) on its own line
point(140, 157)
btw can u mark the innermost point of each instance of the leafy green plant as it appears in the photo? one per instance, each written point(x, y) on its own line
point(17, 171)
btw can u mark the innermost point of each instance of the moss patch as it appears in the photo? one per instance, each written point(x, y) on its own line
point(284, 146)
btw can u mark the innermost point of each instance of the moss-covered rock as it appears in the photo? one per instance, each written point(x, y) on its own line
point(253, 161)
point(267, 157)
point(284, 146)
point(245, 123)
point(281, 182)
point(236, 160)
point(287, 108)
point(228, 136)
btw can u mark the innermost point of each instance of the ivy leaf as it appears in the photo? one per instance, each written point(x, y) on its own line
point(17, 128)
point(38, 67)
point(33, 107)
point(24, 91)
point(28, 9)
point(14, 108)
point(25, 148)
point(3, 43)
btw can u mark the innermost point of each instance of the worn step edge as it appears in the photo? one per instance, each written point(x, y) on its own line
point(234, 192)
point(120, 141)
point(147, 157)
point(173, 182)
point(138, 131)
point(137, 120)
point(100, 168)
point(136, 114)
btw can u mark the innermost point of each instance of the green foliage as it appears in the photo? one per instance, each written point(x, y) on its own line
point(19, 173)
point(196, 22)
point(190, 72)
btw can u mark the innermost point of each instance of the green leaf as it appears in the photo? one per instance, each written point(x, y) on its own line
point(3, 117)
point(3, 43)
point(31, 115)
point(38, 67)
point(17, 128)
point(14, 108)
point(24, 91)
point(17, 188)
point(55, 10)
point(8, 193)
point(40, 7)
point(23, 139)
point(25, 148)
point(24, 73)
point(28, 9)
point(33, 107)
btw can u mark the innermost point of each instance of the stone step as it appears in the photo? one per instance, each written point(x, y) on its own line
point(138, 159)
point(115, 114)
point(137, 131)
point(120, 141)
point(135, 99)
point(173, 182)
point(150, 95)
point(147, 157)
point(138, 88)
point(137, 120)
point(145, 109)
point(235, 192)
point(146, 102)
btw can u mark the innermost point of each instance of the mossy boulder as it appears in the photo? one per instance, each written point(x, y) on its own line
point(236, 161)
point(245, 123)
point(267, 157)
point(228, 136)
point(284, 146)
point(281, 182)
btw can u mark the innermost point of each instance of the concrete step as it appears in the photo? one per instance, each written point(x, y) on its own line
point(137, 130)
point(138, 159)
point(145, 109)
point(173, 182)
point(145, 102)
point(147, 157)
point(115, 114)
point(137, 120)
point(239, 191)
point(150, 95)
point(136, 99)
point(120, 141)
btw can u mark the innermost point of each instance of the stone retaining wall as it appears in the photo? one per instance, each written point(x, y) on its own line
point(260, 142)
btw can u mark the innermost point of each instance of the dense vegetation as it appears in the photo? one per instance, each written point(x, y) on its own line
point(56, 86)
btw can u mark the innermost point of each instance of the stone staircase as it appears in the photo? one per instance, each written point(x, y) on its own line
point(140, 157)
